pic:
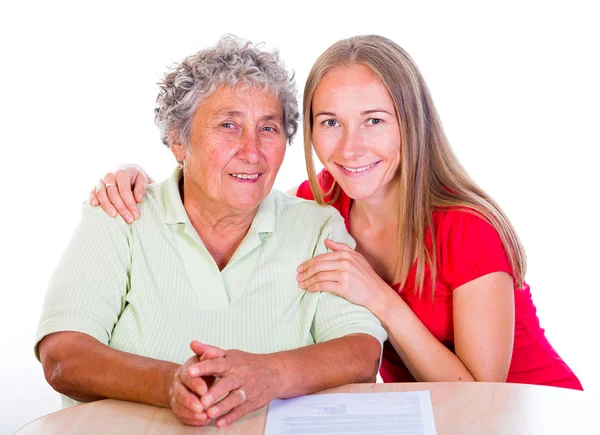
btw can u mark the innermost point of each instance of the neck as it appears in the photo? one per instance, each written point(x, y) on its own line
point(378, 211)
point(221, 228)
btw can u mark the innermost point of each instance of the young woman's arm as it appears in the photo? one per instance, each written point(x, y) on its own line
point(483, 314)
point(119, 192)
point(483, 318)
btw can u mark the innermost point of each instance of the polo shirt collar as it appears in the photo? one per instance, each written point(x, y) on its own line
point(174, 210)
point(264, 221)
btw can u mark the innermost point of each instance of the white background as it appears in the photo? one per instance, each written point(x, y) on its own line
point(516, 86)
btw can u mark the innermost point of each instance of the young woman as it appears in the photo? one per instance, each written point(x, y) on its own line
point(436, 260)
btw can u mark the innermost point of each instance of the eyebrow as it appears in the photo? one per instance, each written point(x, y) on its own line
point(366, 112)
point(230, 113)
point(272, 118)
point(324, 114)
point(238, 114)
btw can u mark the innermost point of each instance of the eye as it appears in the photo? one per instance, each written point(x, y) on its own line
point(269, 129)
point(227, 125)
point(330, 123)
point(374, 121)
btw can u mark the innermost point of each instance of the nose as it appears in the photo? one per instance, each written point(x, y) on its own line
point(353, 145)
point(249, 147)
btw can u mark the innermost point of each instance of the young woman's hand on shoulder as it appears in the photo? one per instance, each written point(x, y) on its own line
point(345, 273)
point(120, 191)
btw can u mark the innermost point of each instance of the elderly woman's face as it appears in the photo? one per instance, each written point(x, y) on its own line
point(237, 144)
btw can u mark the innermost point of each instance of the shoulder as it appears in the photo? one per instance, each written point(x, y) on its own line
point(94, 220)
point(297, 208)
point(466, 233)
point(314, 222)
point(468, 246)
point(157, 201)
point(156, 194)
point(464, 224)
point(298, 214)
point(152, 210)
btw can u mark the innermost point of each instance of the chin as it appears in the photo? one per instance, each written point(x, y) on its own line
point(359, 188)
point(244, 205)
point(249, 202)
point(362, 192)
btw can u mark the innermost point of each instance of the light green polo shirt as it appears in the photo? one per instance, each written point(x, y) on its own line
point(151, 287)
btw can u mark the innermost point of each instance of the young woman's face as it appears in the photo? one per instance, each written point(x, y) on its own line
point(355, 131)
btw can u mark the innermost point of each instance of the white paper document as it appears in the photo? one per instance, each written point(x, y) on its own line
point(399, 413)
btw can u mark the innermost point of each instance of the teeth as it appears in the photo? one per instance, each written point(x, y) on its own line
point(245, 176)
point(363, 169)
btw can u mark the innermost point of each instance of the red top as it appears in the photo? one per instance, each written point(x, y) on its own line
point(468, 247)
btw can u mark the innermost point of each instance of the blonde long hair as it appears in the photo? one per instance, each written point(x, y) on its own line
point(430, 176)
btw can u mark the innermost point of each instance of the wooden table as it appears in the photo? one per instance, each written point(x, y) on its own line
point(459, 408)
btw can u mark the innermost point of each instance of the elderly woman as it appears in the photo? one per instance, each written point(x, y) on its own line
point(213, 258)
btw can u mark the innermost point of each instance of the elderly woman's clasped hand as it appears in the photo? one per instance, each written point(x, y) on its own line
point(246, 382)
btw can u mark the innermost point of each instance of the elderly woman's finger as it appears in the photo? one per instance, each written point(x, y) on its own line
point(189, 417)
point(185, 403)
point(102, 197)
point(124, 187)
point(233, 399)
point(196, 384)
point(211, 367)
point(220, 389)
point(236, 413)
point(205, 351)
point(192, 419)
point(213, 353)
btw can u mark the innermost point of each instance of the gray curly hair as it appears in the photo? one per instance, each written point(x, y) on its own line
point(231, 62)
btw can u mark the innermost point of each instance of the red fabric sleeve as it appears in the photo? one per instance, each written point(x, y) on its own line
point(468, 248)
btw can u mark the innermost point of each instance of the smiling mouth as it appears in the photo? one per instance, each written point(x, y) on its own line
point(245, 176)
point(359, 169)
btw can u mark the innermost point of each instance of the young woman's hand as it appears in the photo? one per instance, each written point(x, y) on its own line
point(344, 272)
point(120, 191)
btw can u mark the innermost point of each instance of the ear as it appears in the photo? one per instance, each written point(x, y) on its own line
point(177, 148)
